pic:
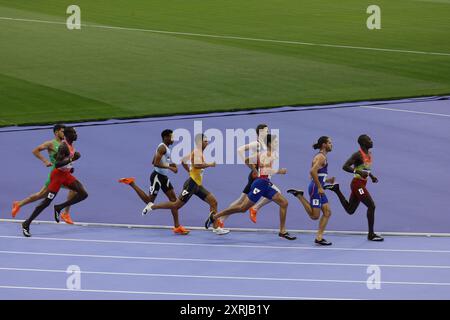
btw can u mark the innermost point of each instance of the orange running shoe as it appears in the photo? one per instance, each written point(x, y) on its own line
point(253, 213)
point(220, 223)
point(15, 209)
point(180, 230)
point(65, 216)
point(127, 180)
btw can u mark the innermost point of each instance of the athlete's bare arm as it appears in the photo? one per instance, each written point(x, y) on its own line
point(62, 157)
point(241, 152)
point(198, 161)
point(354, 161)
point(48, 145)
point(184, 162)
point(157, 160)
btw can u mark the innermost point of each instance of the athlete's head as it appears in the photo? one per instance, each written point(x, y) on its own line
point(167, 137)
point(365, 141)
point(262, 130)
point(70, 134)
point(324, 143)
point(58, 130)
point(201, 141)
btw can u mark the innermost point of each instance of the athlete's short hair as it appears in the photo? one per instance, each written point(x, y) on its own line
point(260, 127)
point(320, 142)
point(361, 138)
point(58, 127)
point(166, 133)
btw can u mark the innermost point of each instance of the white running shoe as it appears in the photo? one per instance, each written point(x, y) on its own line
point(220, 231)
point(147, 208)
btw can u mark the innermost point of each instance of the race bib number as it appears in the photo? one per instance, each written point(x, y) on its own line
point(256, 191)
point(51, 196)
point(316, 202)
point(361, 191)
point(185, 192)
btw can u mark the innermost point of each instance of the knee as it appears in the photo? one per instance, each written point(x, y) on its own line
point(84, 194)
point(327, 213)
point(178, 204)
point(351, 210)
point(284, 203)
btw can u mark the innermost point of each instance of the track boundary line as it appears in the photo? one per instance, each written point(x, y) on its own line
point(333, 264)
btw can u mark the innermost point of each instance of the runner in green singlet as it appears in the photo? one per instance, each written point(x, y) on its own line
point(52, 147)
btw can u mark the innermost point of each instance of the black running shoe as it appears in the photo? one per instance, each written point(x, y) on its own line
point(295, 192)
point(323, 242)
point(57, 213)
point(374, 237)
point(286, 235)
point(209, 221)
point(332, 187)
point(26, 230)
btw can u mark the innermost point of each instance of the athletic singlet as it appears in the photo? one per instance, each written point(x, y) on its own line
point(265, 163)
point(322, 173)
point(194, 173)
point(365, 166)
point(68, 166)
point(52, 153)
point(165, 160)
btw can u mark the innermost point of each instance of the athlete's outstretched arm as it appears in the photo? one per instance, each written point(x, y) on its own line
point(37, 152)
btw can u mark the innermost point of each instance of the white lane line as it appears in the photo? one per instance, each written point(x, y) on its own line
point(170, 293)
point(237, 38)
point(408, 111)
point(226, 245)
point(163, 275)
point(222, 260)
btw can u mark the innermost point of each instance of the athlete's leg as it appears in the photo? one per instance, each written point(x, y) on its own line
point(370, 204)
point(211, 200)
point(283, 203)
point(168, 205)
point(34, 197)
point(80, 195)
point(173, 198)
point(238, 207)
point(349, 206)
point(234, 203)
point(37, 211)
point(261, 203)
point(323, 220)
point(312, 211)
point(70, 196)
point(141, 193)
